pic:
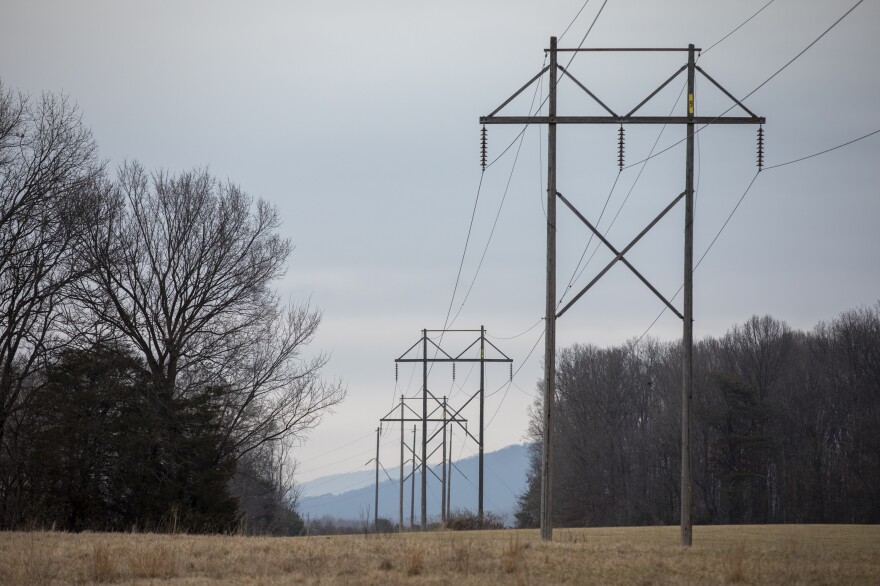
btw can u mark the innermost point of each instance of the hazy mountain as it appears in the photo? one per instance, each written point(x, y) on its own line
point(351, 496)
point(338, 483)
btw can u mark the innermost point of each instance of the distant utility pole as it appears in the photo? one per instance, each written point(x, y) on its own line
point(411, 416)
point(443, 469)
point(551, 315)
point(402, 445)
point(376, 500)
point(453, 417)
point(412, 484)
point(449, 478)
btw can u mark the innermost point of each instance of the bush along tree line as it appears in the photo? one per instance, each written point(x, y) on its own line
point(150, 376)
point(784, 428)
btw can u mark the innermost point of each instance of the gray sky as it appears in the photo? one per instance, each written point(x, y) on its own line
point(360, 121)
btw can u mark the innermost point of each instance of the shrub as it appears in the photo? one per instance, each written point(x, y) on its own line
point(465, 520)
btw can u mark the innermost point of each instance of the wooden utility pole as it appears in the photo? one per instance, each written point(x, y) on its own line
point(376, 499)
point(443, 471)
point(425, 430)
point(412, 484)
point(482, 417)
point(449, 477)
point(402, 445)
point(551, 314)
point(687, 338)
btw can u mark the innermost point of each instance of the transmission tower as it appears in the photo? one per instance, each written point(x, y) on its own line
point(419, 353)
point(552, 120)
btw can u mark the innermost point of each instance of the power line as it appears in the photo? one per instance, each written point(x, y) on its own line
point(752, 182)
point(523, 391)
point(491, 233)
point(504, 396)
point(524, 332)
point(464, 252)
point(541, 105)
point(805, 49)
point(525, 126)
point(834, 148)
point(397, 387)
point(345, 445)
point(512, 383)
point(488, 498)
point(446, 321)
point(762, 84)
point(459, 388)
point(696, 266)
point(538, 129)
point(498, 390)
point(724, 225)
point(736, 207)
point(498, 478)
point(578, 271)
point(586, 34)
point(699, 172)
point(574, 19)
point(357, 455)
point(742, 24)
point(521, 137)
point(513, 142)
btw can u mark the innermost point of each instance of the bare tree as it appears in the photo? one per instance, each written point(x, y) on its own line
point(180, 268)
point(47, 160)
point(785, 428)
point(267, 497)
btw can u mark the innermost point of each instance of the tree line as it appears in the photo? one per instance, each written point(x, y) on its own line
point(150, 375)
point(784, 428)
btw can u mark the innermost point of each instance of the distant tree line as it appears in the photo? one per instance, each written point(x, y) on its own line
point(785, 428)
point(330, 525)
point(459, 520)
point(150, 377)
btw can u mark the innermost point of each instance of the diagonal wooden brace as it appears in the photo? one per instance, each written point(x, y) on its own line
point(619, 255)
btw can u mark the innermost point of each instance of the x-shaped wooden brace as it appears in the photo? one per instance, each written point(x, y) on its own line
point(619, 255)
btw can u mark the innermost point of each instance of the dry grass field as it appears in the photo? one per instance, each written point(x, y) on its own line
point(794, 554)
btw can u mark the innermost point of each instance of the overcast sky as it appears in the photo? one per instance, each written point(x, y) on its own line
point(359, 120)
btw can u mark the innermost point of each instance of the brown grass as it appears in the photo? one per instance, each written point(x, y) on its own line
point(415, 562)
point(154, 561)
point(797, 554)
point(102, 566)
point(734, 563)
point(511, 557)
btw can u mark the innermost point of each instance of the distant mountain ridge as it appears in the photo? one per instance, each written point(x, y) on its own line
point(338, 483)
point(351, 496)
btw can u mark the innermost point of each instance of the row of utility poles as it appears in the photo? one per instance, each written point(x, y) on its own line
point(437, 410)
point(553, 120)
point(440, 412)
